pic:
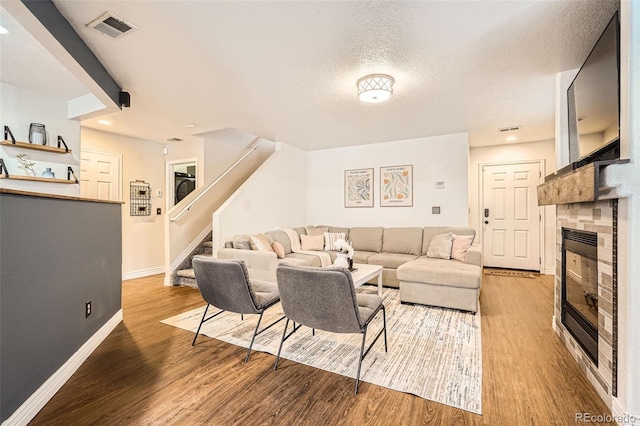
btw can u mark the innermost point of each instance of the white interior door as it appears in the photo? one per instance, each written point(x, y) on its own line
point(511, 216)
point(100, 175)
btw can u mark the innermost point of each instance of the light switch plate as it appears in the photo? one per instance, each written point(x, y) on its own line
point(440, 184)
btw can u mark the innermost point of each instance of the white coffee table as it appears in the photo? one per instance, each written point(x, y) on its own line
point(364, 273)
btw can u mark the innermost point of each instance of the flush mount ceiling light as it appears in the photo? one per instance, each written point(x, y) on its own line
point(375, 88)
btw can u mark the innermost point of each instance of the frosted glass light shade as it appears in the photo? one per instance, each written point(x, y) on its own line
point(375, 88)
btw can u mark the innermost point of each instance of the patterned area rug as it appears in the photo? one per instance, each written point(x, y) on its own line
point(509, 273)
point(433, 353)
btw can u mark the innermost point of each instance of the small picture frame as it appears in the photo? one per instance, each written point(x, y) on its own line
point(358, 188)
point(396, 186)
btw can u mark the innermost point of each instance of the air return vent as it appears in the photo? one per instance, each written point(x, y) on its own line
point(509, 129)
point(112, 26)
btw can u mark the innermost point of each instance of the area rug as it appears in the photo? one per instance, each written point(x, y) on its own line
point(433, 353)
point(509, 273)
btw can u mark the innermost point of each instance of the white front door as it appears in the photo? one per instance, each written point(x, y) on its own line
point(100, 177)
point(511, 216)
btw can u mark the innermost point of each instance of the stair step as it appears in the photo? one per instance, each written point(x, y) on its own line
point(208, 243)
point(202, 254)
point(186, 273)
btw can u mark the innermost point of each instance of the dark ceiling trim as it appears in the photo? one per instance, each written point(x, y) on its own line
point(47, 13)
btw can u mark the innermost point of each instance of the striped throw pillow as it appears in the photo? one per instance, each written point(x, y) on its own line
point(330, 239)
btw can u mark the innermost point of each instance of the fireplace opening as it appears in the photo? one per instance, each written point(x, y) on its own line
point(580, 288)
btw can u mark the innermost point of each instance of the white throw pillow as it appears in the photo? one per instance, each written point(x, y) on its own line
point(315, 242)
point(460, 245)
point(440, 246)
point(330, 239)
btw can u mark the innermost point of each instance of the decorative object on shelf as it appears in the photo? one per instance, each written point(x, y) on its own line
point(37, 134)
point(375, 88)
point(48, 173)
point(26, 165)
point(396, 186)
point(344, 257)
point(341, 260)
point(140, 194)
point(358, 188)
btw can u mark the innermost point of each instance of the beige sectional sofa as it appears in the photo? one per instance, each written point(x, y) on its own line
point(402, 252)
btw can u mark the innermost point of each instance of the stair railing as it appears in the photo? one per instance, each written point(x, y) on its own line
point(184, 209)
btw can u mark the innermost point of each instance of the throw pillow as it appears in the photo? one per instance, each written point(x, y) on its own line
point(278, 248)
point(460, 245)
point(261, 242)
point(440, 246)
point(313, 231)
point(242, 242)
point(330, 239)
point(314, 242)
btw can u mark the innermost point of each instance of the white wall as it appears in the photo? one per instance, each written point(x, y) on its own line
point(142, 236)
point(221, 149)
point(543, 150)
point(18, 109)
point(274, 196)
point(438, 158)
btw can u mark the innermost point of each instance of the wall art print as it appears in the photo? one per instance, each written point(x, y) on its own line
point(358, 188)
point(396, 186)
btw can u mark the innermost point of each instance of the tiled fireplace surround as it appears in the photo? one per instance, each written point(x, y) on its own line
point(599, 217)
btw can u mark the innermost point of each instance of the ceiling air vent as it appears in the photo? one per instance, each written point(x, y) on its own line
point(112, 26)
point(174, 140)
point(509, 129)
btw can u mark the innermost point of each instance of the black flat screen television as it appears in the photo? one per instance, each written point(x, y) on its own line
point(594, 102)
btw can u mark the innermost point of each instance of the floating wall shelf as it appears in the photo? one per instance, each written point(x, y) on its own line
point(35, 147)
point(38, 179)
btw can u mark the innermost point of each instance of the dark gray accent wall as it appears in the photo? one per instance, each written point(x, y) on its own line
point(59, 27)
point(55, 255)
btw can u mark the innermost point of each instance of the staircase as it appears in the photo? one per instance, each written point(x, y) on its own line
point(190, 220)
point(184, 275)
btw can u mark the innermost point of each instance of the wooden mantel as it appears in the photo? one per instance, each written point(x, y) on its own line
point(578, 186)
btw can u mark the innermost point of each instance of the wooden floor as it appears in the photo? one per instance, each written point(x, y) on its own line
point(147, 373)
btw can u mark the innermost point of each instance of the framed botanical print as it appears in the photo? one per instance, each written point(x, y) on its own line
point(396, 186)
point(358, 188)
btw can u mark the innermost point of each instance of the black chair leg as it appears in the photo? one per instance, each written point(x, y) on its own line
point(284, 333)
point(201, 322)
point(364, 337)
point(255, 332)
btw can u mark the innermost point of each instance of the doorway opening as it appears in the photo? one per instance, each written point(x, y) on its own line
point(181, 180)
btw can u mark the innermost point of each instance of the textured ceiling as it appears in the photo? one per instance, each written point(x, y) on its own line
point(287, 71)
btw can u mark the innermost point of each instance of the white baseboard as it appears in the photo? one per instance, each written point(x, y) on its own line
point(621, 416)
point(142, 273)
point(28, 410)
point(550, 271)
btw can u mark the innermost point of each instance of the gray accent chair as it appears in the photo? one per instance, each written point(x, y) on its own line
point(324, 298)
point(225, 284)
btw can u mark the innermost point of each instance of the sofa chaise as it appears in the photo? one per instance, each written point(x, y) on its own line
point(404, 253)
